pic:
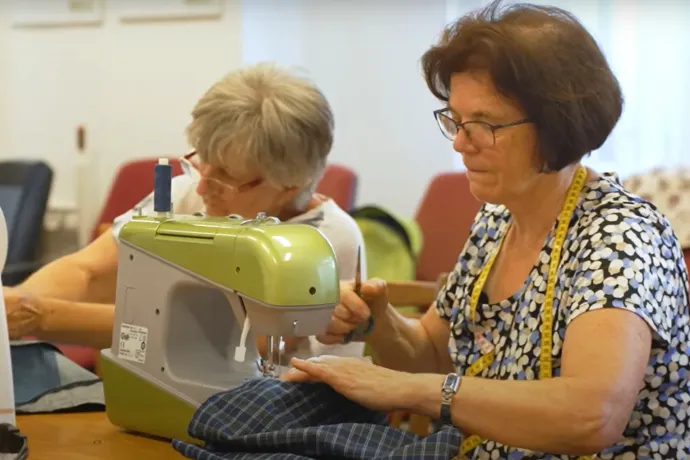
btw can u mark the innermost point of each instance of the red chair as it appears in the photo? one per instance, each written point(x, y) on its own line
point(445, 215)
point(133, 181)
point(84, 356)
point(339, 183)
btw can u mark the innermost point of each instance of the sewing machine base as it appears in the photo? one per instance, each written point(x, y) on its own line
point(135, 404)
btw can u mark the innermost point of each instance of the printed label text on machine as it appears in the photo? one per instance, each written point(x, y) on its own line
point(133, 343)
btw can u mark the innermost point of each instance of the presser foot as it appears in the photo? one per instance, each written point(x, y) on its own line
point(267, 369)
point(267, 366)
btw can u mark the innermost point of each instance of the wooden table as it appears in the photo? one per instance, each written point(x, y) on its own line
point(87, 436)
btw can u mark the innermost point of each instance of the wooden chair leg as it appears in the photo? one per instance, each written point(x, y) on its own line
point(419, 425)
point(395, 419)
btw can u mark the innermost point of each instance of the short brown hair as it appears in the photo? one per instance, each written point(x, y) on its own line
point(545, 60)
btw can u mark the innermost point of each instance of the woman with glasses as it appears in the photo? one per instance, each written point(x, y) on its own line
point(564, 329)
point(261, 139)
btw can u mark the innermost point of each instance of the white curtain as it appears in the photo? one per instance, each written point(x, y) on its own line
point(366, 57)
point(647, 43)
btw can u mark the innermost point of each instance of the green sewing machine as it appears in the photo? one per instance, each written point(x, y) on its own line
point(192, 292)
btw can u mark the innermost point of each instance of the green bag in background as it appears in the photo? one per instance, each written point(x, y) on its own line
point(392, 244)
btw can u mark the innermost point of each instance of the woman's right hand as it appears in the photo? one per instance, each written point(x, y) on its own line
point(354, 310)
point(23, 315)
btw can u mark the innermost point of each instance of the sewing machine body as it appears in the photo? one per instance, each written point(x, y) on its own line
point(184, 287)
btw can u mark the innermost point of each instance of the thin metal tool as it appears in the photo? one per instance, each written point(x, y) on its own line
point(363, 329)
point(358, 273)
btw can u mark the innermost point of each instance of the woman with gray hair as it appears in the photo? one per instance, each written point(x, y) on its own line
point(261, 137)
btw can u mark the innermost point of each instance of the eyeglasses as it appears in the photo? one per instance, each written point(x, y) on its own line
point(193, 168)
point(479, 133)
point(13, 442)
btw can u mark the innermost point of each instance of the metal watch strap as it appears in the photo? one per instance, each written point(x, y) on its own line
point(450, 386)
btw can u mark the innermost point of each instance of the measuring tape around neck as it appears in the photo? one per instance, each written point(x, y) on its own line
point(545, 365)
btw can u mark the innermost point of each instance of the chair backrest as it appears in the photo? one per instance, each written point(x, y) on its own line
point(132, 182)
point(669, 190)
point(24, 191)
point(340, 183)
point(445, 215)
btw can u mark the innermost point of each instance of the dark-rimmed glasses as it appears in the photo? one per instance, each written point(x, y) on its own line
point(480, 133)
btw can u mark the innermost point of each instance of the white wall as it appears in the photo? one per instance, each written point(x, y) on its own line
point(365, 56)
point(133, 86)
point(5, 119)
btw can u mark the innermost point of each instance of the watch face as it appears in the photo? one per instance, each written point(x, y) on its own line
point(451, 382)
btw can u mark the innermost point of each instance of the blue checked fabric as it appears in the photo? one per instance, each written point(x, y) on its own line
point(266, 419)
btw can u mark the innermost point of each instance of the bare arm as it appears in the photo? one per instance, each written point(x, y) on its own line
point(397, 342)
point(74, 296)
point(411, 345)
point(86, 275)
point(78, 323)
point(584, 411)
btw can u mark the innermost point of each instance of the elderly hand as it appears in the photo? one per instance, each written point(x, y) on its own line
point(374, 387)
point(353, 310)
point(23, 315)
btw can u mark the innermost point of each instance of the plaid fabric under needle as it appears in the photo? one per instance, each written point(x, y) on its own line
point(268, 419)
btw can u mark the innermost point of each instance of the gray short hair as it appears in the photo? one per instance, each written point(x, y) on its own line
point(268, 117)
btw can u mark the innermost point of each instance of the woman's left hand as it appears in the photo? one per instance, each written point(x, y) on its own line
point(371, 386)
point(22, 313)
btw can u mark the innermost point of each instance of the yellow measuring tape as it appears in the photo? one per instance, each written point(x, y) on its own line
point(545, 370)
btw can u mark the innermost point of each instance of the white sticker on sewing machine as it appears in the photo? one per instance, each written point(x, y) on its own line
point(133, 342)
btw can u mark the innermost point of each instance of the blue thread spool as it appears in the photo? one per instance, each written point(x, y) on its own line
point(162, 185)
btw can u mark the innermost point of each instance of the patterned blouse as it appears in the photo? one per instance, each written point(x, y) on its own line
point(619, 252)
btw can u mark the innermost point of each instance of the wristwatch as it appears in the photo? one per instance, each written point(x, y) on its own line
point(450, 386)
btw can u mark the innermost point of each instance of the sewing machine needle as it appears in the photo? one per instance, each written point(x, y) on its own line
point(281, 350)
point(270, 370)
